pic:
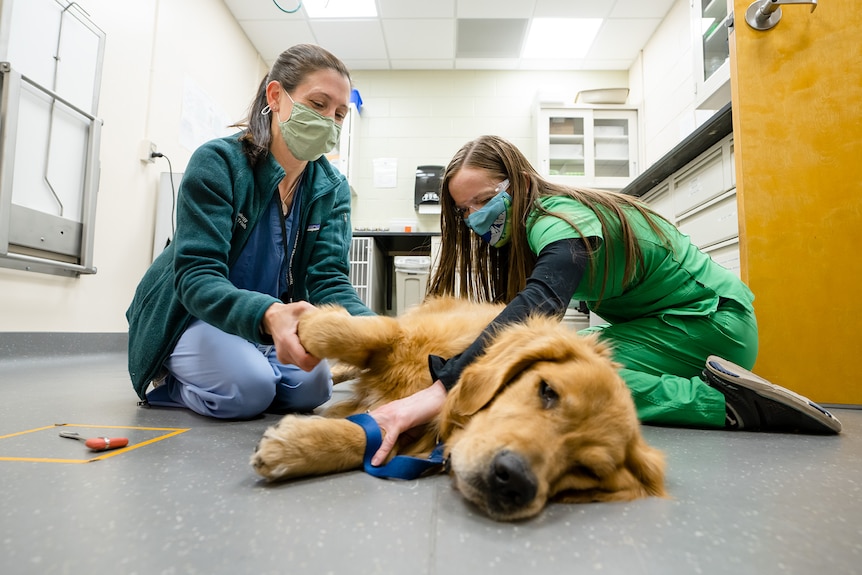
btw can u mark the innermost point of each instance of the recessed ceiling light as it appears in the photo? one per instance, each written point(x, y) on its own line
point(560, 37)
point(340, 8)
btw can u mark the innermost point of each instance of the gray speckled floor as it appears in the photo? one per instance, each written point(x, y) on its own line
point(190, 503)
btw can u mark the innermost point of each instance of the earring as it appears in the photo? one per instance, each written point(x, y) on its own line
point(266, 110)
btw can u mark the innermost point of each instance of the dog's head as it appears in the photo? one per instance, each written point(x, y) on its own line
point(544, 415)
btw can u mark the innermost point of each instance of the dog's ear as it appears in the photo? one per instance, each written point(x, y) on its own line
point(514, 350)
point(647, 465)
point(598, 478)
point(641, 475)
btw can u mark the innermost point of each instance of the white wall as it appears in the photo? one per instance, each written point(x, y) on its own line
point(155, 48)
point(663, 80)
point(151, 48)
point(424, 117)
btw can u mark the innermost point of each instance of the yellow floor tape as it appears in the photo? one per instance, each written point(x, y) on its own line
point(101, 455)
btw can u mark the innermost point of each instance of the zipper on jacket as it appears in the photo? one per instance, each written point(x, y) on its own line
point(290, 280)
point(287, 296)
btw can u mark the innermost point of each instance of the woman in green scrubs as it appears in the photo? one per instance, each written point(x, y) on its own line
point(682, 327)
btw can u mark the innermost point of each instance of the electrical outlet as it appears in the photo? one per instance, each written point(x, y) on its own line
point(146, 151)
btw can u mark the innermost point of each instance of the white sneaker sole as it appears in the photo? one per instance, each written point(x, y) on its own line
point(744, 378)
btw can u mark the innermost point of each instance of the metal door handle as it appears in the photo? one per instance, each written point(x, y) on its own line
point(765, 14)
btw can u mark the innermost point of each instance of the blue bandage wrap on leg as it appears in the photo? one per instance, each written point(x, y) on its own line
point(400, 466)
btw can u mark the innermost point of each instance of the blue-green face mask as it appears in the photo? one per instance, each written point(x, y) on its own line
point(308, 135)
point(493, 222)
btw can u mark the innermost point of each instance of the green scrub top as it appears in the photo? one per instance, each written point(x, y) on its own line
point(674, 278)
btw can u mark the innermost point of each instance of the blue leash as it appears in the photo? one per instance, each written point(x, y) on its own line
point(400, 466)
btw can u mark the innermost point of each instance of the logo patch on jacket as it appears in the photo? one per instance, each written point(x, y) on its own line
point(313, 228)
point(242, 220)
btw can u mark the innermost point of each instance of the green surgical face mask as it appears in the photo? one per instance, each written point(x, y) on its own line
point(308, 135)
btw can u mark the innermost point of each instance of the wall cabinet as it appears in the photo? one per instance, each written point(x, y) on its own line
point(711, 53)
point(587, 147)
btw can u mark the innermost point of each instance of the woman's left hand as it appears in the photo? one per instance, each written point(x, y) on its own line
point(280, 321)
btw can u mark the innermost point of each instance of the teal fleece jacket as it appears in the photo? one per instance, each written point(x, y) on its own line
point(221, 199)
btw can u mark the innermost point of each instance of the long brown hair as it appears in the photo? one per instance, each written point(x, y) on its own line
point(469, 267)
point(290, 69)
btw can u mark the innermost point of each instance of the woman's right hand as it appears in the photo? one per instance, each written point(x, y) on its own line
point(280, 320)
point(401, 415)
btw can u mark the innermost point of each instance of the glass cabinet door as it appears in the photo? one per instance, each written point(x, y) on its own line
point(711, 53)
point(588, 147)
point(566, 146)
point(612, 146)
point(716, 50)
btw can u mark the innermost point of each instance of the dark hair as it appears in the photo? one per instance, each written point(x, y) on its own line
point(498, 274)
point(290, 70)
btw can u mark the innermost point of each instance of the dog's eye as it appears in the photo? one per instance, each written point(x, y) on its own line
point(588, 472)
point(548, 395)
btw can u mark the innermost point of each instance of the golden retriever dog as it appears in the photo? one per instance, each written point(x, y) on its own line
point(542, 415)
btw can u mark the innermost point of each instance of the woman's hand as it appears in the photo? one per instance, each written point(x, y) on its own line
point(280, 320)
point(401, 415)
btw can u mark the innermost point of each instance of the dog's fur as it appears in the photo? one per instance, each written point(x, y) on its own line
point(542, 415)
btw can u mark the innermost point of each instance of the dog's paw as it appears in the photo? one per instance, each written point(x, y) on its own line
point(281, 453)
point(300, 446)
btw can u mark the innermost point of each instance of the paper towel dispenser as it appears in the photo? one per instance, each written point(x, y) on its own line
point(427, 194)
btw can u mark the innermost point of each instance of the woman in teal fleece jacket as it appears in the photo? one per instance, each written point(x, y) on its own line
point(263, 233)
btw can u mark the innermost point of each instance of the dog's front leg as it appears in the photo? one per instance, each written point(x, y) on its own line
point(331, 332)
point(300, 446)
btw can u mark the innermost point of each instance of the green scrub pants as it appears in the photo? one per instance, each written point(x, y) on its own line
point(663, 357)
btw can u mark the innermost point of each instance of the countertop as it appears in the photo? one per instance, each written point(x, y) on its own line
point(387, 233)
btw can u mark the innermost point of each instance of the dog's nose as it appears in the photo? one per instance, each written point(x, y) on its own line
point(512, 483)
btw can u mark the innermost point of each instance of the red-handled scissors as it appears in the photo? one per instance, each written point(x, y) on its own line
point(98, 443)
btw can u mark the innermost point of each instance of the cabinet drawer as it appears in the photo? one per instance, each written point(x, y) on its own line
point(727, 256)
point(660, 201)
point(700, 183)
point(714, 223)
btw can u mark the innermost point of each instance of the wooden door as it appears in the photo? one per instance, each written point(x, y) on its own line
point(797, 122)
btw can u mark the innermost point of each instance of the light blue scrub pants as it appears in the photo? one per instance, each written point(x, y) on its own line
point(663, 357)
point(217, 374)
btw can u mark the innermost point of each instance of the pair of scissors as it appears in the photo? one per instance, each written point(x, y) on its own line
point(97, 443)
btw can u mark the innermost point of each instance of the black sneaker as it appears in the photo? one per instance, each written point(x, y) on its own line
point(755, 404)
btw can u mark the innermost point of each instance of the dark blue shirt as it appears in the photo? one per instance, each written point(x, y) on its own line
point(262, 265)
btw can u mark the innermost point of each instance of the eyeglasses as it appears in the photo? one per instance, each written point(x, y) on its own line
point(477, 204)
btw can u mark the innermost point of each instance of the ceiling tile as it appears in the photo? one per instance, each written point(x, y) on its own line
point(490, 38)
point(495, 8)
point(415, 8)
point(354, 39)
point(272, 37)
point(572, 9)
point(416, 39)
